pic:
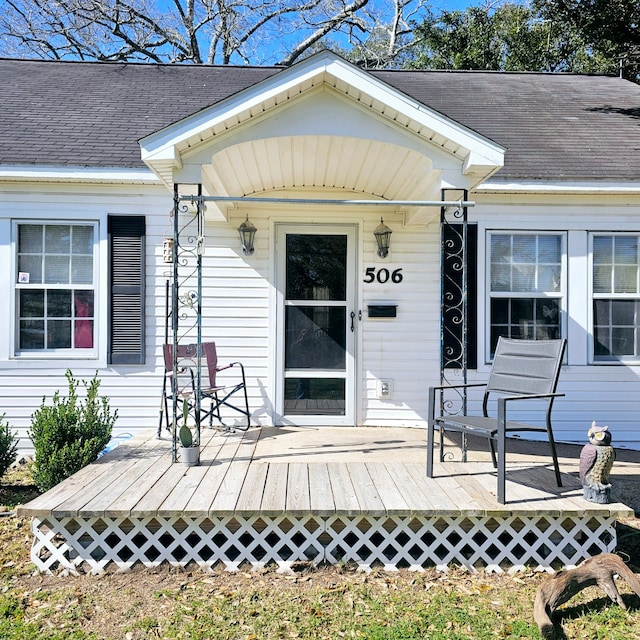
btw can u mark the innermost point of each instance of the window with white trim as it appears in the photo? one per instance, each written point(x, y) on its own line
point(616, 296)
point(55, 290)
point(525, 285)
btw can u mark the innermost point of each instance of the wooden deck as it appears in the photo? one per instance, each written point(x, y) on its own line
point(254, 501)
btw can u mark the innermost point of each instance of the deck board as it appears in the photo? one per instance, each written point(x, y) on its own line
point(274, 498)
point(298, 498)
point(139, 479)
point(200, 500)
point(392, 498)
point(250, 497)
point(321, 497)
point(344, 494)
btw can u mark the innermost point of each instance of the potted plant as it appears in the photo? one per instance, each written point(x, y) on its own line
point(189, 452)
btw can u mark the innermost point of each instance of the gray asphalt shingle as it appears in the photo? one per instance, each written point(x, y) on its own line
point(554, 126)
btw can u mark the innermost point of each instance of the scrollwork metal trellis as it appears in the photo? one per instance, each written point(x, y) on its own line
point(186, 311)
point(453, 306)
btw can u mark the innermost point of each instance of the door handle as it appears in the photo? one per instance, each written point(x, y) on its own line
point(353, 315)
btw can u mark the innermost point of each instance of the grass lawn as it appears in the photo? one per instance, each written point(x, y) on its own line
point(313, 603)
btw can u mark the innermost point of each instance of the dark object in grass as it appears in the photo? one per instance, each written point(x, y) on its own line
point(561, 587)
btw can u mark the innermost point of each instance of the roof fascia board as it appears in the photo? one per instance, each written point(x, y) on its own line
point(569, 186)
point(39, 173)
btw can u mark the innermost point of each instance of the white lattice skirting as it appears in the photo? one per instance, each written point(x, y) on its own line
point(93, 545)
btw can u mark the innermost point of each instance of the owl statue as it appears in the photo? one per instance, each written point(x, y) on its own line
point(596, 460)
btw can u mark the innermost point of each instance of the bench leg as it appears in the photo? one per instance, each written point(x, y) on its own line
point(502, 461)
point(430, 432)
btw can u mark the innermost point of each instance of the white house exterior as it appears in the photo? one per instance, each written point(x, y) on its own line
point(548, 164)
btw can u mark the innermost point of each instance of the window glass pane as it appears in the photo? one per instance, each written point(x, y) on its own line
point(32, 266)
point(82, 240)
point(59, 304)
point(602, 274)
point(59, 334)
point(602, 250)
point(547, 320)
point(625, 279)
point(57, 239)
point(83, 304)
point(56, 269)
point(623, 312)
point(524, 277)
point(316, 267)
point(601, 309)
point(500, 277)
point(615, 328)
point(83, 334)
point(549, 249)
point(82, 269)
point(31, 303)
point(315, 337)
point(626, 250)
point(314, 396)
point(31, 334)
point(30, 238)
point(500, 311)
point(622, 341)
point(602, 341)
point(524, 249)
point(549, 278)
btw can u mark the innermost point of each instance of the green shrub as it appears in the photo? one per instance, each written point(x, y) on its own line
point(8, 446)
point(69, 434)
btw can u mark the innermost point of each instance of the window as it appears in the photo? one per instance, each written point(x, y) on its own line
point(525, 286)
point(55, 288)
point(616, 297)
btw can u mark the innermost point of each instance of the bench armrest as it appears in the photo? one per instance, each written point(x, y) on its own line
point(432, 395)
point(459, 386)
point(528, 396)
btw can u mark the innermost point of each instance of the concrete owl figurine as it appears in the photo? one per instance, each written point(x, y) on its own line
point(596, 460)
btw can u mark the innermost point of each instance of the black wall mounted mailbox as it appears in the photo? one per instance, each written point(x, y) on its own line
point(382, 310)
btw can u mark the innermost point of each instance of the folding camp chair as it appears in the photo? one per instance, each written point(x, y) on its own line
point(219, 391)
point(186, 382)
point(216, 391)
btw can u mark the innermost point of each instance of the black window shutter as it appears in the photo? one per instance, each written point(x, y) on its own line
point(126, 290)
point(452, 287)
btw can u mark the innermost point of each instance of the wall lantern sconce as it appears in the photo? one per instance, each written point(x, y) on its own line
point(383, 238)
point(247, 233)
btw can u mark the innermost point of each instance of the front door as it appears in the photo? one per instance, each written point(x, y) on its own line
point(316, 324)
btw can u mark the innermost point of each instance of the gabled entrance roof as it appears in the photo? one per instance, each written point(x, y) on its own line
point(322, 124)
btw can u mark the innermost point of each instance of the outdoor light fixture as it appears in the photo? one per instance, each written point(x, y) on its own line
point(383, 238)
point(247, 233)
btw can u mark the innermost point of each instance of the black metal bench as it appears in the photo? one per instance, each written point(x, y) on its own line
point(521, 370)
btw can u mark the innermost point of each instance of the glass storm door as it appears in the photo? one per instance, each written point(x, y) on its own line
point(316, 291)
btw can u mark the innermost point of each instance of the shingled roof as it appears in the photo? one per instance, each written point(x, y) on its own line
point(554, 126)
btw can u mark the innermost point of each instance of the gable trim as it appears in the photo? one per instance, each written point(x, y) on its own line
point(161, 151)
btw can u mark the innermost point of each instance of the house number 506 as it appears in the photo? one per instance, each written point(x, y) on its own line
point(383, 275)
